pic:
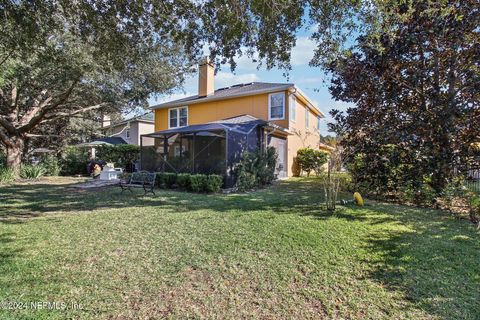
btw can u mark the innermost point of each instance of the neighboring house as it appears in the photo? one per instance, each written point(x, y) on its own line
point(209, 132)
point(131, 129)
point(123, 132)
point(107, 141)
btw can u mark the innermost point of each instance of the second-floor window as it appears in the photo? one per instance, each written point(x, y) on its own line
point(276, 106)
point(127, 133)
point(177, 117)
point(318, 123)
point(293, 109)
point(307, 117)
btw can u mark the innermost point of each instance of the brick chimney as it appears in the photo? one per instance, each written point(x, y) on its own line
point(206, 74)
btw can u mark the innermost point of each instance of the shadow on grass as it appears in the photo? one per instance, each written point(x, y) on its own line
point(435, 263)
point(20, 202)
point(425, 255)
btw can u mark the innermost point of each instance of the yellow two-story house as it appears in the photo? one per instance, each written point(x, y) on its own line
point(209, 132)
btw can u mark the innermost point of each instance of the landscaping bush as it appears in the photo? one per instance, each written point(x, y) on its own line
point(74, 161)
point(122, 155)
point(214, 183)
point(344, 180)
point(32, 172)
point(6, 175)
point(246, 180)
point(170, 179)
point(474, 203)
point(198, 182)
point(183, 181)
point(256, 169)
point(311, 160)
point(51, 165)
point(160, 180)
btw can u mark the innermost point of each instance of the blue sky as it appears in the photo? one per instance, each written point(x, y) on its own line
point(311, 80)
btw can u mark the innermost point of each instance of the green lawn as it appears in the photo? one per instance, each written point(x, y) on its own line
point(271, 254)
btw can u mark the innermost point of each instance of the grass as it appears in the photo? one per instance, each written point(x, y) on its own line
point(271, 254)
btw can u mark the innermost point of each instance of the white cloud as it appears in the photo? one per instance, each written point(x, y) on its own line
point(245, 63)
point(303, 51)
point(226, 79)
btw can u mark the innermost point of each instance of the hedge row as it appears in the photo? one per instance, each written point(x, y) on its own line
point(190, 182)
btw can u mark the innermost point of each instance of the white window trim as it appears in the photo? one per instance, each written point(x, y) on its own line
point(270, 105)
point(292, 105)
point(178, 117)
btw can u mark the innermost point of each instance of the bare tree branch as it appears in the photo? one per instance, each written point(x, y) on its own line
point(41, 113)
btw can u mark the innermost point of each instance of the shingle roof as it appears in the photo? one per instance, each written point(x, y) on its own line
point(144, 117)
point(148, 117)
point(244, 89)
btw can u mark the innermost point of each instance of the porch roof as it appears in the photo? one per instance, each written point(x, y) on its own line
point(242, 124)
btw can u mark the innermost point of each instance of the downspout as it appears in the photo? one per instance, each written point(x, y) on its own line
point(227, 176)
point(141, 153)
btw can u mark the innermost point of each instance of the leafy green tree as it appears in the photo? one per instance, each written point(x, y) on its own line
point(62, 59)
point(311, 160)
point(416, 93)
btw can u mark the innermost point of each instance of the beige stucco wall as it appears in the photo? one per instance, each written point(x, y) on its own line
point(257, 106)
point(302, 136)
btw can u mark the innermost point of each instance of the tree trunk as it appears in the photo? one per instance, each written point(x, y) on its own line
point(14, 154)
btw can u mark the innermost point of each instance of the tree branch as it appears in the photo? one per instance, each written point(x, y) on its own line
point(69, 114)
point(7, 125)
point(36, 119)
point(4, 138)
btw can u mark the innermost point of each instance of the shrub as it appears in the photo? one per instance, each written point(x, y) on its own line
point(256, 169)
point(420, 193)
point(122, 155)
point(51, 165)
point(170, 179)
point(6, 175)
point(183, 181)
point(74, 161)
point(344, 180)
point(311, 160)
point(160, 180)
point(198, 182)
point(474, 203)
point(214, 183)
point(32, 172)
point(246, 180)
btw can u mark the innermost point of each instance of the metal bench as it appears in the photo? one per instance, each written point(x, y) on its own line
point(140, 179)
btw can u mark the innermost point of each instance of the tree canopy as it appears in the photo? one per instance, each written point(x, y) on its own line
point(416, 94)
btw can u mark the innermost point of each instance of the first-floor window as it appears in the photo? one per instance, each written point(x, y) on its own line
point(276, 106)
point(177, 117)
